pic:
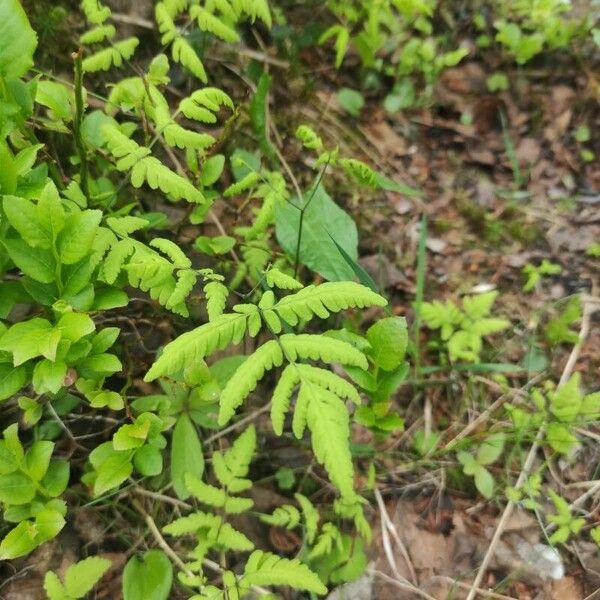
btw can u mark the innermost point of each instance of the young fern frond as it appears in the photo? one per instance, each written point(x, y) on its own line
point(359, 171)
point(106, 58)
point(285, 516)
point(264, 568)
point(183, 53)
point(321, 300)
point(216, 297)
point(245, 379)
point(95, 12)
point(242, 185)
point(145, 168)
point(98, 34)
point(275, 278)
point(311, 516)
point(199, 343)
point(282, 396)
point(201, 105)
point(208, 22)
point(254, 9)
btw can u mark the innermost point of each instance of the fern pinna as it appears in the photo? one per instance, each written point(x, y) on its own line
point(320, 403)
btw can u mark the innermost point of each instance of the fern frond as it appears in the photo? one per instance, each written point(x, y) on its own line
point(321, 347)
point(285, 516)
point(94, 11)
point(166, 26)
point(242, 185)
point(211, 528)
point(157, 176)
point(246, 378)
point(179, 137)
point(214, 25)
point(326, 298)
point(329, 381)
point(195, 345)
point(112, 56)
point(329, 536)
point(98, 34)
point(328, 421)
point(213, 496)
point(232, 467)
point(255, 9)
point(359, 171)
point(115, 259)
point(282, 395)
point(202, 103)
point(311, 516)
point(124, 226)
point(264, 568)
point(275, 278)
point(216, 297)
point(186, 280)
point(479, 306)
point(309, 138)
point(173, 251)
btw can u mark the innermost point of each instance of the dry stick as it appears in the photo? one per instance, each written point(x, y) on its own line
point(388, 527)
point(571, 362)
point(238, 424)
point(480, 591)
point(403, 585)
point(160, 540)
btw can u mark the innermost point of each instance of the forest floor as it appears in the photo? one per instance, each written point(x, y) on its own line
point(503, 185)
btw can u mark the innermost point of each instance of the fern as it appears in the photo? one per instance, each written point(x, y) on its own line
point(98, 34)
point(208, 22)
point(264, 568)
point(275, 278)
point(309, 138)
point(95, 12)
point(106, 58)
point(311, 517)
point(246, 378)
point(148, 169)
point(216, 297)
point(203, 103)
point(199, 343)
point(286, 516)
point(242, 185)
point(324, 299)
point(359, 171)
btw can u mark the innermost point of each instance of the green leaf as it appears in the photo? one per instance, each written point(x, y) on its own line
point(76, 239)
point(351, 101)
point(148, 579)
point(484, 482)
point(491, 449)
point(37, 459)
point(75, 325)
point(49, 523)
point(186, 455)
point(16, 488)
point(324, 222)
point(81, 577)
point(22, 215)
point(389, 339)
point(53, 587)
point(18, 541)
point(56, 479)
point(148, 461)
point(17, 40)
point(258, 114)
point(35, 262)
point(113, 472)
point(12, 379)
point(212, 169)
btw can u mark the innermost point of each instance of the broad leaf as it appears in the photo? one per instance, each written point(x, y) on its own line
point(186, 455)
point(148, 579)
point(17, 40)
point(324, 222)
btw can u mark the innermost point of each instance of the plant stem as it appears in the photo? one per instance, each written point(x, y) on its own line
point(83, 166)
point(302, 211)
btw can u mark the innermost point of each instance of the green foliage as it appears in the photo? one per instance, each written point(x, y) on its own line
point(30, 483)
point(474, 464)
point(534, 274)
point(79, 579)
point(558, 330)
point(462, 331)
point(149, 578)
point(567, 524)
